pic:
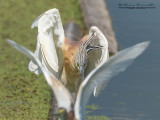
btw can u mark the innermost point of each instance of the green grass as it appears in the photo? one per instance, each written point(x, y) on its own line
point(24, 95)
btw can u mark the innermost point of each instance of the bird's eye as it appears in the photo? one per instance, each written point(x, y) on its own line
point(78, 64)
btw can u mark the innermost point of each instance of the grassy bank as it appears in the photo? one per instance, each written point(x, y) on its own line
point(24, 95)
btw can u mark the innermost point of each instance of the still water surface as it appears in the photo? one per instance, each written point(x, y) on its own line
point(135, 93)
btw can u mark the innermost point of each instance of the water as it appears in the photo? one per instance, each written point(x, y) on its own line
point(135, 93)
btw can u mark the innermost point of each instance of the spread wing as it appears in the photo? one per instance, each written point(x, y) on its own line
point(97, 57)
point(49, 41)
point(62, 95)
point(104, 73)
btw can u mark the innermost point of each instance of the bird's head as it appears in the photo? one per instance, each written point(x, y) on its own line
point(81, 57)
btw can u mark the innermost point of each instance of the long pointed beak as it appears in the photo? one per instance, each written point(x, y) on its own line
point(81, 72)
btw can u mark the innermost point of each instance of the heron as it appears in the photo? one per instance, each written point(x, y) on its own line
point(101, 74)
point(69, 61)
point(74, 66)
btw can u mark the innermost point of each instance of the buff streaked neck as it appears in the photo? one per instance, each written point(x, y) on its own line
point(72, 74)
point(71, 48)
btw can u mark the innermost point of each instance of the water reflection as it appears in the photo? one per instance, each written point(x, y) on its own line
point(134, 94)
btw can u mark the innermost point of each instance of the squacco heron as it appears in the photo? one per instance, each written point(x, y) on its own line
point(66, 59)
point(75, 109)
point(64, 62)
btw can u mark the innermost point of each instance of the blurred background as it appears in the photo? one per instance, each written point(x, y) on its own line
point(132, 95)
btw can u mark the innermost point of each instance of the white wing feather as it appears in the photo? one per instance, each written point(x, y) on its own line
point(32, 65)
point(104, 73)
point(49, 41)
point(97, 57)
point(101, 39)
point(62, 95)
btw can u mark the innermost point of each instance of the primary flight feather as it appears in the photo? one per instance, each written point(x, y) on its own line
point(49, 42)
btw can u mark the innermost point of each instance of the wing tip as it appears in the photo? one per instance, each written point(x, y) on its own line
point(11, 42)
point(33, 26)
point(35, 23)
point(143, 45)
